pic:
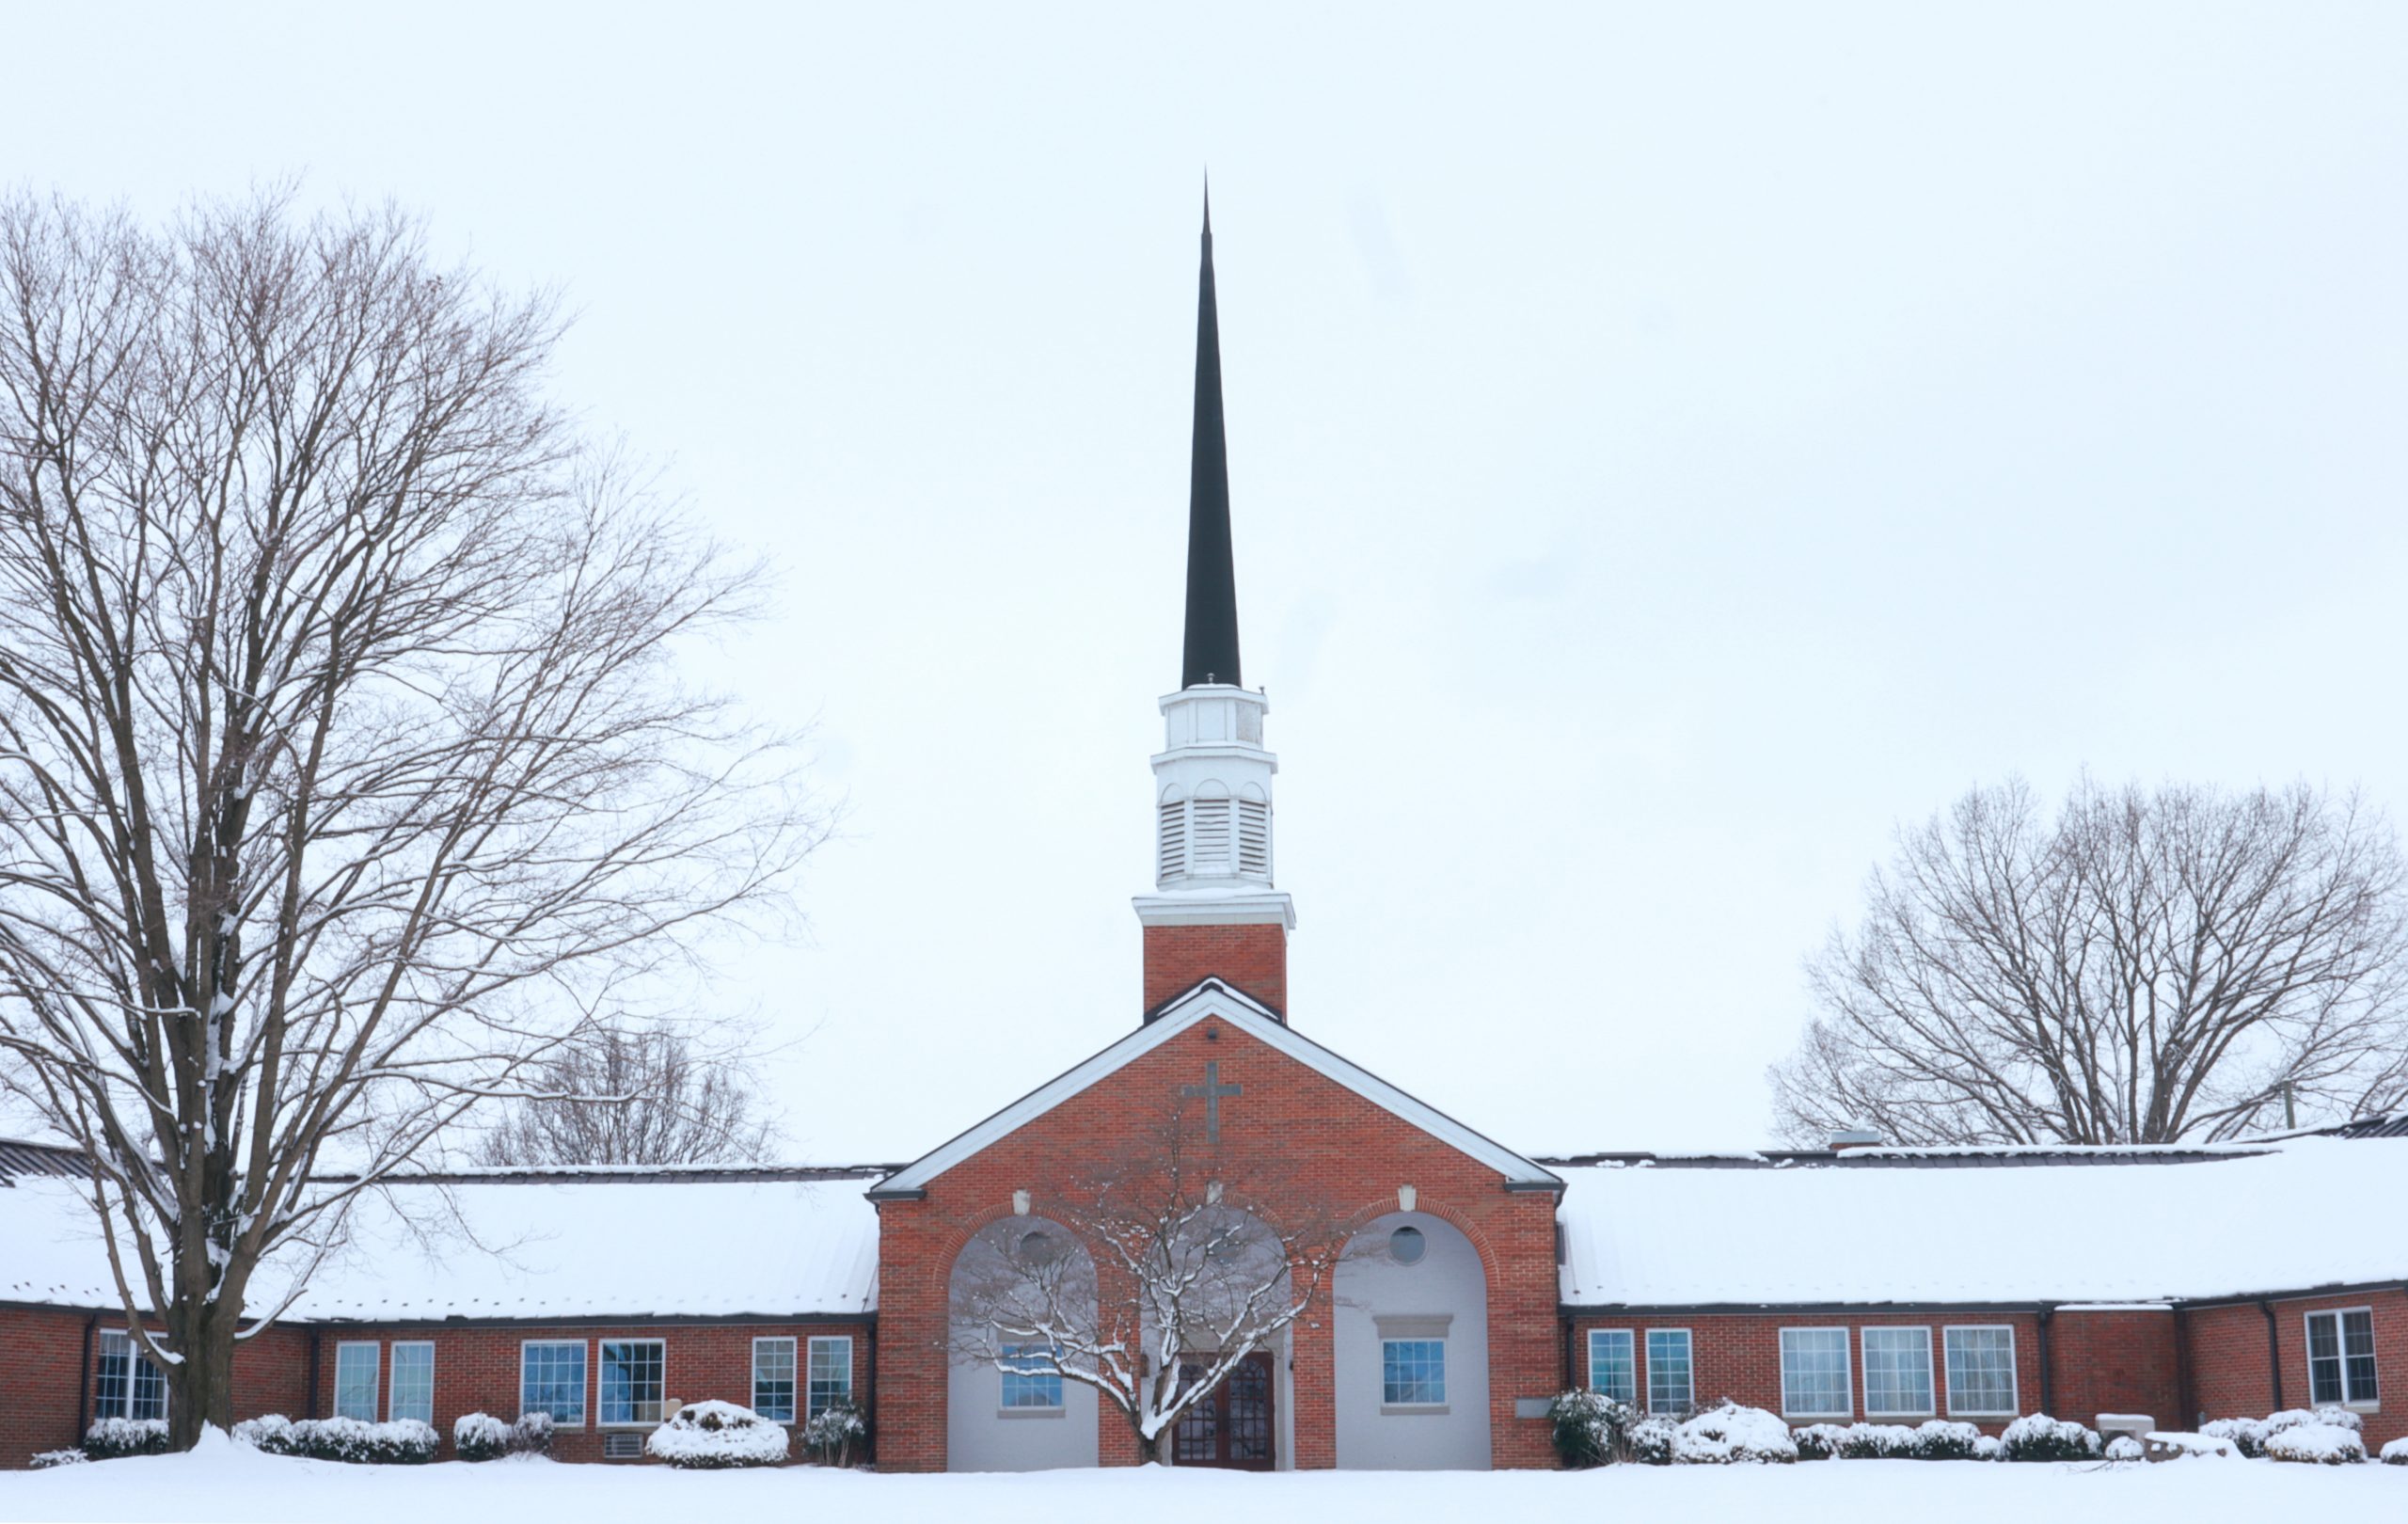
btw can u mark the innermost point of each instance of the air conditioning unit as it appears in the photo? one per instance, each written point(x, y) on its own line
point(623, 1447)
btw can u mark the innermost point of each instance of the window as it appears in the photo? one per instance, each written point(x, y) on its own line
point(630, 1371)
point(127, 1385)
point(1898, 1372)
point(832, 1373)
point(1613, 1371)
point(2340, 1358)
point(773, 1378)
point(1814, 1373)
point(413, 1392)
point(356, 1382)
point(1412, 1373)
point(1030, 1379)
point(551, 1379)
point(1407, 1245)
point(1980, 1371)
point(1670, 1388)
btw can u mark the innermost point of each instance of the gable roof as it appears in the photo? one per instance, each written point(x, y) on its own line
point(1216, 1001)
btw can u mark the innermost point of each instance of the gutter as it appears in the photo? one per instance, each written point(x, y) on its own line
point(84, 1380)
point(2273, 1355)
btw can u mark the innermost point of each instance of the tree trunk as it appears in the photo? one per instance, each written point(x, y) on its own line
point(200, 1390)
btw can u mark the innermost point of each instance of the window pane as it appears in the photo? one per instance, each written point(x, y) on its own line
point(1981, 1370)
point(2323, 1357)
point(413, 1382)
point(630, 1383)
point(1612, 1369)
point(1898, 1370)
point(1413, 1372)
point(552, 1380)
point(2357, 1349)
point(832, 1373)
point(773, 1378)
point(1814, 1371)
point(356, 1382)
point(149, 1400)
point(109, 1384)
point(1030, 1379)
point(1669, 1389)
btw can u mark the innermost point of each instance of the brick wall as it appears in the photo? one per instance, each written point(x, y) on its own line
point(1253, 958)
point(39, 1353)
point(2120, 1361)
point(2226, 1347)
point(1326, 1144)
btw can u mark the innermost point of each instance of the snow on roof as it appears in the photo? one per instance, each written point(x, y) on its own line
point(2313, 1212)
point(760, 1243)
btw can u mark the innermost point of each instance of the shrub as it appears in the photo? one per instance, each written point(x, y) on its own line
point(2037, 1436)
point(1817, 1441)
point(2250, 1434)
point(112, 1439)
point(1649, 1440)
point(2316, 1444)
point(1733, 1435)
point(351, 1441)
point(2247, 1435)
point(1941, 1440)
point(1591, 1428)
point(1877, 1441)
point(1990, 1447)
point(531, 1435)
point(838, 1430)
point(45, 1460)
point(480, 1436)
point(2125, 1448)
point(713, 1435)
point(2394, 1454)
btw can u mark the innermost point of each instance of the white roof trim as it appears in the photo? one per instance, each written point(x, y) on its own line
point(1214, 1000)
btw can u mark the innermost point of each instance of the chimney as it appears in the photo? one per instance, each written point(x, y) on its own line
point(1844, 1139)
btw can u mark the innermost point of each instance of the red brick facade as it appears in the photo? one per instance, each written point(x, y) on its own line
point(1251, 958)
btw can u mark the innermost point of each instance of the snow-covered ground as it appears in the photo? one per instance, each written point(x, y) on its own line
point(234, 1484)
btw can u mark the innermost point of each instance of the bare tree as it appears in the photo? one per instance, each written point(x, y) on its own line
point(344, 767)
point(2148, 967)
point(1149, 1279)
point(633, 1095)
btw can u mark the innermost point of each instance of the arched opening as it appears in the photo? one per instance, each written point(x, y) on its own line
point(1410, 1307)
point(1006, 1408)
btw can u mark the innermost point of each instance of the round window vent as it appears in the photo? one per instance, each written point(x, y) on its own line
point(1406, 1245)
point(1038, 1248)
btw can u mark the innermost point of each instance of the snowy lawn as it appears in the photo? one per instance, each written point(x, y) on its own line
point(232, 1484)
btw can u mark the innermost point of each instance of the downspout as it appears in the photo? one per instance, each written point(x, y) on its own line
point(83, 1384)
point(2048, 1366)
point(2183, 1382)
point(2273, 1355)
point(310, 1398)
point(869, 1394)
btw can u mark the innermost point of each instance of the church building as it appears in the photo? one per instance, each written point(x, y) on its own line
point(1464, 1285)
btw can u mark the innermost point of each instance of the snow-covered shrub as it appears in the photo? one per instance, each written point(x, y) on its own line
point(44, 1460)
point(1990, 1447)
point(2162, 1445)
point(113, 1437)
point(1817, 1441)
point(1877, 1441)
point(1942, 1439)
point(713, 1435)
point(2318, 1444)
point(837, 1431)
point(2394, 1454)
point(2125, 1448)
point(1732, 1434)
point(2246, 1434)
point(1649, 1440)
point(2249, 1435)
point(271, 1434)
point(2037, 1436)
point(480, 1436)
point(1591, 1428)
point(353, 1442)
point(531, 1435)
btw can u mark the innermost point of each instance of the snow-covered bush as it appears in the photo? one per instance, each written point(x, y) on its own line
point(1817, 1441)
point(531, 1435)
point(1732, 1434)
point(2125, 1448)
point(1942, 1439)
point(1591, 1428)
point(352, 1442)
point(272, 1433)
point(1877, 1441)
point(2246, 1434)
point(44, 1460)
point(1990, 1447)
point(2318, 1444)
point(480, 1436)
point(1649, 1441)
point(2037, 1436)
point(835, 1433)
point(2394, 1454)
point(113, 1437)
point(713, 1435)
point(2161, 1445)
point(2249, 1435)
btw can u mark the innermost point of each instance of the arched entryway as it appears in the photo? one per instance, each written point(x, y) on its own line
point(1411, 1313)
point(1014, 1420)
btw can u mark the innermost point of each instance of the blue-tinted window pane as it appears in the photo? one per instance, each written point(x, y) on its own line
point(551, 1380)
point(631, 1375)
point(1611, 1369)
point(773, 1378)
point(1669, 1386)
point(413, 1395)
point(1413, 1372)
point(832, 1374)
point(1030, 1379)
point(356, 1382)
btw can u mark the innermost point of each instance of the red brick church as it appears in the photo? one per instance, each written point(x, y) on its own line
point(1859, 1282)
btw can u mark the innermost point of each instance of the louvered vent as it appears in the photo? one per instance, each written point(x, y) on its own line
point(623, 1447)
point(1209, 836)
point(1174, 840)
point(1253, 837)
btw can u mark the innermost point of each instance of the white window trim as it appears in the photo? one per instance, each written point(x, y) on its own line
point(2014, 1371)
point(1589, 1347)
point(802, 1372)
point(134, 1359)
point(1847, 1369)
point(1930, 1376)
point(393, 1369)
point(593, 1362)
point(376, 1352)
point(801, 1381)
point(2340, 1343)
point(586, 1399)
point(1643, 1377)
point(1410, 1335)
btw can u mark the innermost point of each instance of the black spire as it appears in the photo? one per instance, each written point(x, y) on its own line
point(1212, 653)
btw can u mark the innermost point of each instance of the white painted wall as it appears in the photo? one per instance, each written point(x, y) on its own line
point(1448, 1282)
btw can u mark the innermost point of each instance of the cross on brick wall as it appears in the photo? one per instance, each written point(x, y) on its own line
point(1209, 1093)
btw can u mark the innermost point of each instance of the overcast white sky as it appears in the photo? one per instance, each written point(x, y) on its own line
point(1669, 444)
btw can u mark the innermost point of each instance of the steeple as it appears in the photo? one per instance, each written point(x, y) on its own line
point(1211, 650)
point(1215, 912)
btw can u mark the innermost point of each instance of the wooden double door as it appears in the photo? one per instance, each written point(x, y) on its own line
point(1233, 1427)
